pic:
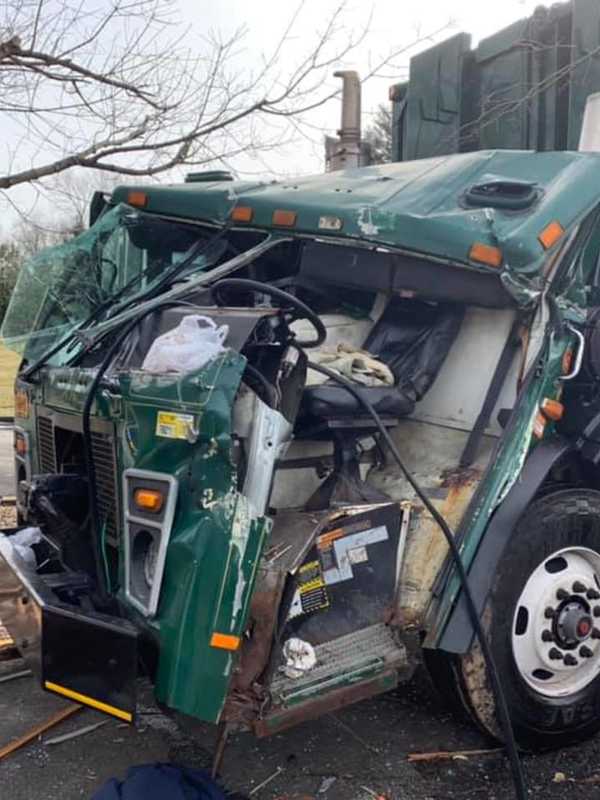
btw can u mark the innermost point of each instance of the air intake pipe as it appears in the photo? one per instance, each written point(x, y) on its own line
point(345, 151)
point(589, 141)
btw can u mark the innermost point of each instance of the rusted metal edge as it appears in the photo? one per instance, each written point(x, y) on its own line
point(282, 718)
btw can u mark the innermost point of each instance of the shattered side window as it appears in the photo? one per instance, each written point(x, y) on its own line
point(122, 255)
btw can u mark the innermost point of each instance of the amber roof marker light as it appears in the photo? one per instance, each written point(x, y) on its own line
point(551, 234)
point(242, 214)
point(284, 219)
point(486, 254)
point(137, 199)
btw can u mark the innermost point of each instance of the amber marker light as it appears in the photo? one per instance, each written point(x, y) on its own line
point(242, 214)
point(21, 404)
point(551, 234)
point(552, 409)
point(285, 219)
point(486, 254)
point(148, 500)
point(139, 199)
point(225, 641)
point(567, 361)
point(20, 444)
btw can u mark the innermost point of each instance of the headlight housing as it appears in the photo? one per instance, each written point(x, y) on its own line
point(149, 499)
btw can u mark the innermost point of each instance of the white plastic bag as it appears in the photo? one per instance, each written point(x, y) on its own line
point(300, 658)
point(188, 347)
point(22, 541)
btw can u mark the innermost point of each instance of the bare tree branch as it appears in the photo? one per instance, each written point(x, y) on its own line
point(119, 87)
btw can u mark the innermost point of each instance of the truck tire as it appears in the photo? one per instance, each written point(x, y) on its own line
point(542, 619)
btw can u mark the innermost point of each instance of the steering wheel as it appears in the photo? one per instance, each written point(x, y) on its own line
point(293, 308)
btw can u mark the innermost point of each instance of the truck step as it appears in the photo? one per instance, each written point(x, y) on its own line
point(341, 661)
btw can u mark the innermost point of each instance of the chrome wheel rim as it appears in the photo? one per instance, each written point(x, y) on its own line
point(556, 624)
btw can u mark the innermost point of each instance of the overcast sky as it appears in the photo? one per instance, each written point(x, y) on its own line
point(394, 24)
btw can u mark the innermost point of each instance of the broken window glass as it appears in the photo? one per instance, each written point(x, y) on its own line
point(125, 254)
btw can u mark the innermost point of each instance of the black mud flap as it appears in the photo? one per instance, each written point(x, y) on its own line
point(91, 659)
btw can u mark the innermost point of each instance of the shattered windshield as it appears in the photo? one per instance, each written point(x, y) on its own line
point(123, 256)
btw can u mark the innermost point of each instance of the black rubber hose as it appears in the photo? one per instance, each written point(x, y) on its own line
point(100, 576)
point(504, 717)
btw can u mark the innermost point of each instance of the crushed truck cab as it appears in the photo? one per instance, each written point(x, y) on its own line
point(234, 528)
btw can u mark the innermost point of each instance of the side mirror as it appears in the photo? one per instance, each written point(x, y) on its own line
point(98, 206)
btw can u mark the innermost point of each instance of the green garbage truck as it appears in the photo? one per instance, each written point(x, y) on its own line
point(251, 418)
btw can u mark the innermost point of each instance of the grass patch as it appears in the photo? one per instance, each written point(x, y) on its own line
point(9, 363)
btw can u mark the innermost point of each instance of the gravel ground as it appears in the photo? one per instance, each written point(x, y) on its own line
point(357, 754)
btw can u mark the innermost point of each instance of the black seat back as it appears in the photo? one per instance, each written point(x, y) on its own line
point(413, 338)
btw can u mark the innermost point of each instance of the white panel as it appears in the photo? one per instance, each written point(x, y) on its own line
point(456, 397)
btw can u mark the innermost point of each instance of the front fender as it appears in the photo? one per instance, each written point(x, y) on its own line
point(458, 632)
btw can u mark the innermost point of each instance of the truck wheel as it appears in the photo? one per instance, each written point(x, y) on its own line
point(543, 623)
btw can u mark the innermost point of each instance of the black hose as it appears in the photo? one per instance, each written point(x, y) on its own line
point(504, 717)
point(100, 576)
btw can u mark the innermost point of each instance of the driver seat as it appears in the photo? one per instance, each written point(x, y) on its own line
point(412, 338)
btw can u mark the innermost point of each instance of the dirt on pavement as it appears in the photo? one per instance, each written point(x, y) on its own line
point(354, 754)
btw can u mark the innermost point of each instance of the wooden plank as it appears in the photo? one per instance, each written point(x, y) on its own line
point(36, 731)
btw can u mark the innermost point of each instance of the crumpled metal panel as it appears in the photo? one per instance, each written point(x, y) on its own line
point(417, 206)
point(217, 538)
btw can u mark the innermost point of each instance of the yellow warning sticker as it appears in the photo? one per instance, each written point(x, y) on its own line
point(311, 588)
point(174, 426)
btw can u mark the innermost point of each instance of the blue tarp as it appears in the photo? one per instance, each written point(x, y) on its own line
point(161, 782)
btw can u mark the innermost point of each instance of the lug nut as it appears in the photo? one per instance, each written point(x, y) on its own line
point(547, 636)
point(585, 652)
point(579, 587)
point(570, 660)
point(549, 612)
point(597, 611)
point(593, 594)
point(555, 654)
point(562, 594)
point(595, 633)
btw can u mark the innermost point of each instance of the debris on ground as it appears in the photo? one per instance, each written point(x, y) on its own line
point(65, 737)
point(372, 793)
point(326, 784)
point(264, 783)
point(38, 730)
point(22, 673)
point(453, 755)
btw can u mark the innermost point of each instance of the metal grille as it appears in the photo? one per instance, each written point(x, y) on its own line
point(46, 445)
point(105, 468)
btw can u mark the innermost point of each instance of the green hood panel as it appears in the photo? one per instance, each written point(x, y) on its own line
point(216, 541)
point(416, 205)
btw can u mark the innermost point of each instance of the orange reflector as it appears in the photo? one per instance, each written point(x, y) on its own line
point(567, 361)
point(551, 234)
point(21, 404)
point(242, 214)
point(139, 199)
point(552, 409)
point(20, 444)
point(225, 641)
point(539, 426)
point(486, 254)
point(148, 500)
point(287, 219)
